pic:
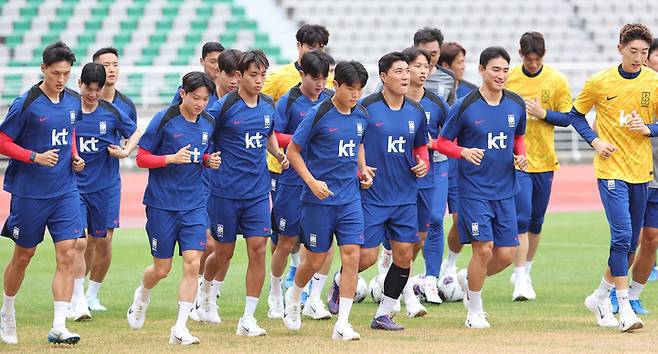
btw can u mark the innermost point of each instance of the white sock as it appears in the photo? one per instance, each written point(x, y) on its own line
point(275, 285)
point(184, 309)
point(250, 305)
point(317, 285)
point(475, 301)
point(452, 258)
point(216, 288)
point(622, 298)
point(78, 288)
point(206, 286)
point(59, 318)
point(386, 306)
point(344, 308)
point(144, 294)
point(528, 267)
point(296, 294)
point(408, 292)
point(8, 306)
point(93, 288)
point(603, 291)
point(634, 290)
point(294, 259)
point(337, 278)
point(520, 272)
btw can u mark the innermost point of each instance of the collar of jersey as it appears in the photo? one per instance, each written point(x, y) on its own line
point(529, 74)
point(627, 75)
point(61, 94)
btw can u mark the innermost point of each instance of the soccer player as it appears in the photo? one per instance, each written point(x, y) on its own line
point(489, 125)
point(291, 109)
point(209, 59)
point(545, 91)
point(38, 135)
point(453, 57)
point(99, 127)
point(326, 150)
point(175, 149)
point(624, 97)
point(239, 191)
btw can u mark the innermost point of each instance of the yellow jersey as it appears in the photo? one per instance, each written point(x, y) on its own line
point(551, 88)
point(614, 97)
point(276, 85)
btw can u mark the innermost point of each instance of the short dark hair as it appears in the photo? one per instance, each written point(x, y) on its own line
point(492, 53)
point(228, 60)
point(255, 56)
point(195, 79)
point(412, 53)
point(210, 47)
point(56, 52)
point(449, 52)
point(386, 62)
point(93, 72)
point(312, 35)
point(654, 46)
point(428, 34)
point(316, 63)
point(351, 73)
point(106, 50)
point(633, 31)
point(532, 42)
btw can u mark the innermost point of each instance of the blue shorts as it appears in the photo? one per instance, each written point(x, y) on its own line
point(453, 190)
point(424, 204)
point(29, 217)
point(321, 222)
point(114, 206)
point(165, 228)
point(651, 214)
point(397, 223)
point(94, 212)
point(488, 220)
point(287, 210)
point(228, 216)
point(532, 200)
point(274, 184)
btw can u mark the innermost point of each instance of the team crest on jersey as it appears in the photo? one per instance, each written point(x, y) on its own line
point(359, 129)
point(16, 232)
point(102, 126)
point(427, 116)
point(204, 138)
point(510, 120)
point(154, 244)
point(475, 229)
point(273, 184)
point(313, 240)
point(267, 120)
point(412, 127)
point(545, 96)
point(72, 116)
point(646, 99)
point(220, 230)
point(611, 184)
point(282, 224)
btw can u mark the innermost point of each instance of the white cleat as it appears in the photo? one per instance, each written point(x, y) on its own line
point(602, 310)
point(137, 312)
point(431, 291)
point(206, 309)
point(521, 292)
point(292, 315)
point(415, 308)
point(8, 330)
point(276, 306)
point(81, 310)
point(346, 333)
point(63, 336)
point(248, 327)
point(95, 304)
point(628, 321)
point(477, 320)
point(532, 295)
point(316, 310)
point(182, 336)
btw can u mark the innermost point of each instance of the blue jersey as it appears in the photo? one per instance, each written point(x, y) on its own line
point(177, 187)
point(465, 88)
point(211, 99)
point(34, 122)
point(290, 111)
point(330, 142)
point(94, 133)
point(476, 124)
point(126, 105)
point(241, 134)
point(389, 141)
point(436, 113)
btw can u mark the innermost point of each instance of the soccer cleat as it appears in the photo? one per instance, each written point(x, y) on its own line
point(386, 323)
point(637, 307)
point(315, 309)
point(334, 297)
point(137, 312)
point(477, 320)
point(8, 329)
point(276, 306)
point(521, 290)
point(63, 336)
point(290, 277)
point(614, 301)
point(346, 333)
point(182, 336)
point(94, 304)
point(292, 315)
point(532, 295)
point(602, 310)
point(248, 327)
point(79, 311)
point(415, 308)
point(654, 274)
point(628, 321)
point(431, 291)
point(306, 293)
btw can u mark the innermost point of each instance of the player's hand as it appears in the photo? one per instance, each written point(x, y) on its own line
point(521, 162)
point(283, 160)
point(117, 151)
point(48, 158)
point(473, 155)
point(181, 157)
point(78, 163)
point(320, 189)
point(603, 148)
point(215, 160)
point(371, 171)
point(635, 123)
point(420, 169)
point(535, 109)
point(366, 180)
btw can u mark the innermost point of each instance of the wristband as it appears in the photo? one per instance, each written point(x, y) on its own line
point(33, 156)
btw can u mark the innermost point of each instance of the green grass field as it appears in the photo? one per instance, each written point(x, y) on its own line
point(569, 266)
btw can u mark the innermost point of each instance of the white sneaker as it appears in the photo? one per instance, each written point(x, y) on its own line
point(415, 308)
point(276, 306)
point(628, 321)
point(182, 336)
point(292, 316)
point(206, 309)
point(477, 320)
point(95, 304)
point(63, 336)
point(316, 310)
point(385, 260)
point(445, 270)
point(602, 310)
point(8, 329)
point(346, 333)
point(431, 291)
point(521, 290)
point(248, 327)
point(137, 312)
point(532, 295)
point(81, 310)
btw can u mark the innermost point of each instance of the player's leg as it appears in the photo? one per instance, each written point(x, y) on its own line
point(449, 265)
point(12, 280)
point(433, 249)
point(78, 308)
point(423, 203)
point(314, 306)
point(542, 184)
point(523, 202)
point(643, 262)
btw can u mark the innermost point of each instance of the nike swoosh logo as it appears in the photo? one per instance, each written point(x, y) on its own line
point(198, 306)
point(478, 122)
point(43, 119)
point(600, 312)
point(130, 311)
point(245, 329)
point(313, 309)
point(379, 124)
point(610, 98)
point(180, 339)
point(331, 130)
point(177, 135)
point(340, 334)
point(237, 122)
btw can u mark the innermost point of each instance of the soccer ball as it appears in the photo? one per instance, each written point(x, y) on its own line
point(449, 289)
point(376, 288)
point(361, 290)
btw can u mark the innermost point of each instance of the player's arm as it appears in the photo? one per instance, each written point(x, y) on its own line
point(447, 143)
point(636, 124)
point(584, 103)
point(300, 140)
point(273, 148)
point(127, 128)
point(366, 173)
point(563, 102)
point(77, 162)
point(420, 151)
point(281, 120)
